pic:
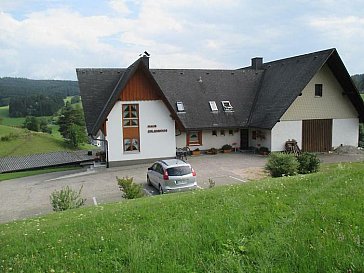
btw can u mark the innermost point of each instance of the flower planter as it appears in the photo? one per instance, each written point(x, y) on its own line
point(227, 151)
point(196, 152)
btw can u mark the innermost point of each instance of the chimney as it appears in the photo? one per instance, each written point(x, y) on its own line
point(257, 63)
point(145, 60)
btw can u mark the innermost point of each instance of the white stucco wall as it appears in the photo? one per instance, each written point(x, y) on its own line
point(283, 131)
point(210, 141)
point(181, 140)
point(345, 132)
point(257, 143)
point(152, 145)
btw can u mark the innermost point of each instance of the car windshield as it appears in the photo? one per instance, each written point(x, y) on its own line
point(178, 171)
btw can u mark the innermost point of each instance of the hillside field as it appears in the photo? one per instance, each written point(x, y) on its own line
point(24, 142)
point(305, 223)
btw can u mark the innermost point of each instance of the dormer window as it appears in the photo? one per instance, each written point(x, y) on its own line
point(213, 106)
point(227, 106)
point(180, 106)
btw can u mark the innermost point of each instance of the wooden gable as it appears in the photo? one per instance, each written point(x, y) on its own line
point(139, 88)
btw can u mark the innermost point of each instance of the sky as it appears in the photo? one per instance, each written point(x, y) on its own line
point(48, 39)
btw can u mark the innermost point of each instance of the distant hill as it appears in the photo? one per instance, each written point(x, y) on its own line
point(15, 87)
point(358, 80)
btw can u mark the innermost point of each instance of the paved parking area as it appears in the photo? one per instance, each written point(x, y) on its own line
point(29, 196)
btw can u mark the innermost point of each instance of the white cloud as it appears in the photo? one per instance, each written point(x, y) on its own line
point(51, 42)
point(120, 6)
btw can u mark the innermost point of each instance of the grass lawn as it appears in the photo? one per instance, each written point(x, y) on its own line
point(8, 121)
point(27, 142)
point(311, 223)
point(8, 176)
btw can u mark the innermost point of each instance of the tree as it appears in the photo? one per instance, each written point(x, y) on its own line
point(31, 123)
point(72, 125)
point(75, 99)
point(43, 126)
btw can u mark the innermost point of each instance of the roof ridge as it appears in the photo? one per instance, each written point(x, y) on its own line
point(302, 56)
point(128, 71)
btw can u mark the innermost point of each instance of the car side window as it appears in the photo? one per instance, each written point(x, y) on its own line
point(160, 169)
point(155, 167)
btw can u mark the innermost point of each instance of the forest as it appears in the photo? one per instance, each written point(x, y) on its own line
point(35, 105)
point(358, 80)
point(21, 87)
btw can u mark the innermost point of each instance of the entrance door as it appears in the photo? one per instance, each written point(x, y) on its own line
point(317, 135)
point(244, 139)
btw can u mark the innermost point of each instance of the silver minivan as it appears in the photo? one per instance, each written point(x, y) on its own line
point(171, 175)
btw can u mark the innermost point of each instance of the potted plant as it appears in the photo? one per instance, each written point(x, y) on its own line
point(263, 150)
point(226, 148)
point(211, 151)
point(196, 151)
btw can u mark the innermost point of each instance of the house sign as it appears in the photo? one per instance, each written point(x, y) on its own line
point(153, 129)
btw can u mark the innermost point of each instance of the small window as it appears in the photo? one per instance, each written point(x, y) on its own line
point(318, 90)
point(231, 132)
point(227, 106)
point(131, 144)
point(214, 132)
point(180, 106)
point(194, 138)
point(130, 115)
point(222, 132)
point(213, 106)
point(254, 135)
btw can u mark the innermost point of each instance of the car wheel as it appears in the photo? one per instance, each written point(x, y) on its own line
point(148, 181)
point(160, 189)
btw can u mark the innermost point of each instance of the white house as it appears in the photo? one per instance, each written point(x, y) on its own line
point(145, 114)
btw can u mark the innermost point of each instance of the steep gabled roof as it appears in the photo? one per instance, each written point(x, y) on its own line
point(96, 87)
point(196, 87)
point(259, 97)
point(282, 82)
point(100, 89)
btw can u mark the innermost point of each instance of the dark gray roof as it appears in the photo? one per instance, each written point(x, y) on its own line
point(238, 87)
point(259, 97)
point(282, 82)
point(96, 87)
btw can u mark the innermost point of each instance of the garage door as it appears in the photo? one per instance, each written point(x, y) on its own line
point(316, 135)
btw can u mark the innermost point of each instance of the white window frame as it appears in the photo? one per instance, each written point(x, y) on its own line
point(180, 106)
point(213, 106)
point(228, 107)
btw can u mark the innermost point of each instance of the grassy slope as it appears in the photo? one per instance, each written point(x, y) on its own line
point(310, 223)
point(29, 142)
point(6, 120)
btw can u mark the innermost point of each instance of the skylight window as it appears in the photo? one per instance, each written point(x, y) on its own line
point(180, 106)
point(227, 106)
point(213, 106)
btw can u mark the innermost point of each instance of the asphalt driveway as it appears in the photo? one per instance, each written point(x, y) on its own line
point(29, 196)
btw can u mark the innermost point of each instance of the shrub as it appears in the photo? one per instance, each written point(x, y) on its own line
point(129, 188)
point(9, 137)
point(263, 150)
point(212, 183)
point(66, 198)
point(281, 164)
point(308, 163)
point(212, 151)
point(226, 147)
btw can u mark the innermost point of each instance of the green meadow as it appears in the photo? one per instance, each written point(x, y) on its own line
point(305, 223)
